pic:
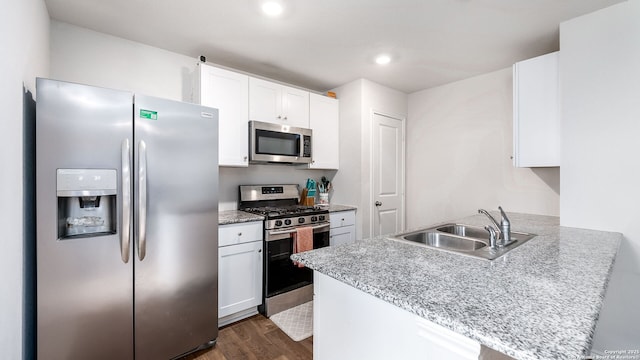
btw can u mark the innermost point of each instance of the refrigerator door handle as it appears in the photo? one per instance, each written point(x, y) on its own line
point(125, 240)
point(142, 199)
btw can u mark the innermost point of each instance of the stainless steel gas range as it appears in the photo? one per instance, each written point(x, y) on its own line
point(285, 284)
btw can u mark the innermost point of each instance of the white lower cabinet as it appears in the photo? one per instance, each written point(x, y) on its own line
point(351, 324)
point(342, 228)
point(239, 273)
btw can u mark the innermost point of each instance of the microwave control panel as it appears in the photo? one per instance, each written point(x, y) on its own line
point(306, 148)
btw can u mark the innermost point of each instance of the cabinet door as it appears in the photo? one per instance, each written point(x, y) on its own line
point(347, 321)
point(265, 101)
point(342, 235)
point(228, 92)
point(536, 115)
point(324, 121)
point(239, 277)
point(295, 107)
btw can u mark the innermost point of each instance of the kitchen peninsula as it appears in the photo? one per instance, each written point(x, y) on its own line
point(539, 301)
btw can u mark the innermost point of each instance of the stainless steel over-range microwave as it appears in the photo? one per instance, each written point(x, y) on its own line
point(276, 143)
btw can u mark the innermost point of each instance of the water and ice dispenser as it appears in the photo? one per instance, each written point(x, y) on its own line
point(86, 202)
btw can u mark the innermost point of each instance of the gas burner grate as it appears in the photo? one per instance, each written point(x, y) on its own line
point(292, 210)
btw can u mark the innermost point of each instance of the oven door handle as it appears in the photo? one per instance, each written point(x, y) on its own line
point(294, 230)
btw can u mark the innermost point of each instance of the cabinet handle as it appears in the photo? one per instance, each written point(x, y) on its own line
point(259, 250)
point(279, 117)
point(239, 234)
point(342, 219)
point(285, 118)
point(245, 158)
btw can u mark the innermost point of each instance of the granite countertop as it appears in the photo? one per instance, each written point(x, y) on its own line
point(539, 301)
point(236, 216)
point(337, 208)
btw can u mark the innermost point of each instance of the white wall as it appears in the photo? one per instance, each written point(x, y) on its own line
point(358, 100)
point(459, 144)
point(89, 57)
point(346, 181)
point(600, 92)
point(230, 178)
point(24, 35)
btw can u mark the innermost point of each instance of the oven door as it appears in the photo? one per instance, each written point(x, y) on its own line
point(281, 274)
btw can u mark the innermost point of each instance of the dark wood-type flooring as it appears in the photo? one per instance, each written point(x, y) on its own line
point(255, 338)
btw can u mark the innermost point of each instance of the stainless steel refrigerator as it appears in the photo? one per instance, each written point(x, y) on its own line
point(127, 224)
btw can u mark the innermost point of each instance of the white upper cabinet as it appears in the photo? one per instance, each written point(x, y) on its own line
point(324, 121)
point(536, 115)
point(265, 103)
point(228, 92)
point(279, 104)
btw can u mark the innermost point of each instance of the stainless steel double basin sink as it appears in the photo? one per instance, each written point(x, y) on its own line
point(462, 239)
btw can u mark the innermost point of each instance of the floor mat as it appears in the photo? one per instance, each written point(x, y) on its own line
point(296, 322)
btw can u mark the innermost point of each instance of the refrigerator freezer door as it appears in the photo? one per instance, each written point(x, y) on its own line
point(175, 227)
point(84, 288)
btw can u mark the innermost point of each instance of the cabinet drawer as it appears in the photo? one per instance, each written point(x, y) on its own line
point(232, 234)
point(342, 218)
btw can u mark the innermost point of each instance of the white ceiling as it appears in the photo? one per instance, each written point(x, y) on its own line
point(322, 44)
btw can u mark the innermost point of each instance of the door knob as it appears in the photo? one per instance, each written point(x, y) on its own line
point(378, 203)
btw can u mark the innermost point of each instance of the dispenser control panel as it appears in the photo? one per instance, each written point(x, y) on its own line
point(77, 182)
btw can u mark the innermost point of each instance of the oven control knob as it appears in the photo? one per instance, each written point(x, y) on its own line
point(321, 217)
point(278, 222)
point(287, 222)
point(300, 220)
point(314, 218)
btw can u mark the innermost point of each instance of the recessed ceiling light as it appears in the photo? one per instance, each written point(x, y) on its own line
point(272, 8)
point(383, 59)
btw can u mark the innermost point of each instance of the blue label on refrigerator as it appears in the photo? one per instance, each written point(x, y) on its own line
point(148, 114)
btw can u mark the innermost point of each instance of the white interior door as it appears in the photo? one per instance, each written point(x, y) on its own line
point(388, 174)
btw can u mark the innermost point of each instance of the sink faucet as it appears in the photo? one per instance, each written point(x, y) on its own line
point(503, 228)
point(493, 236)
